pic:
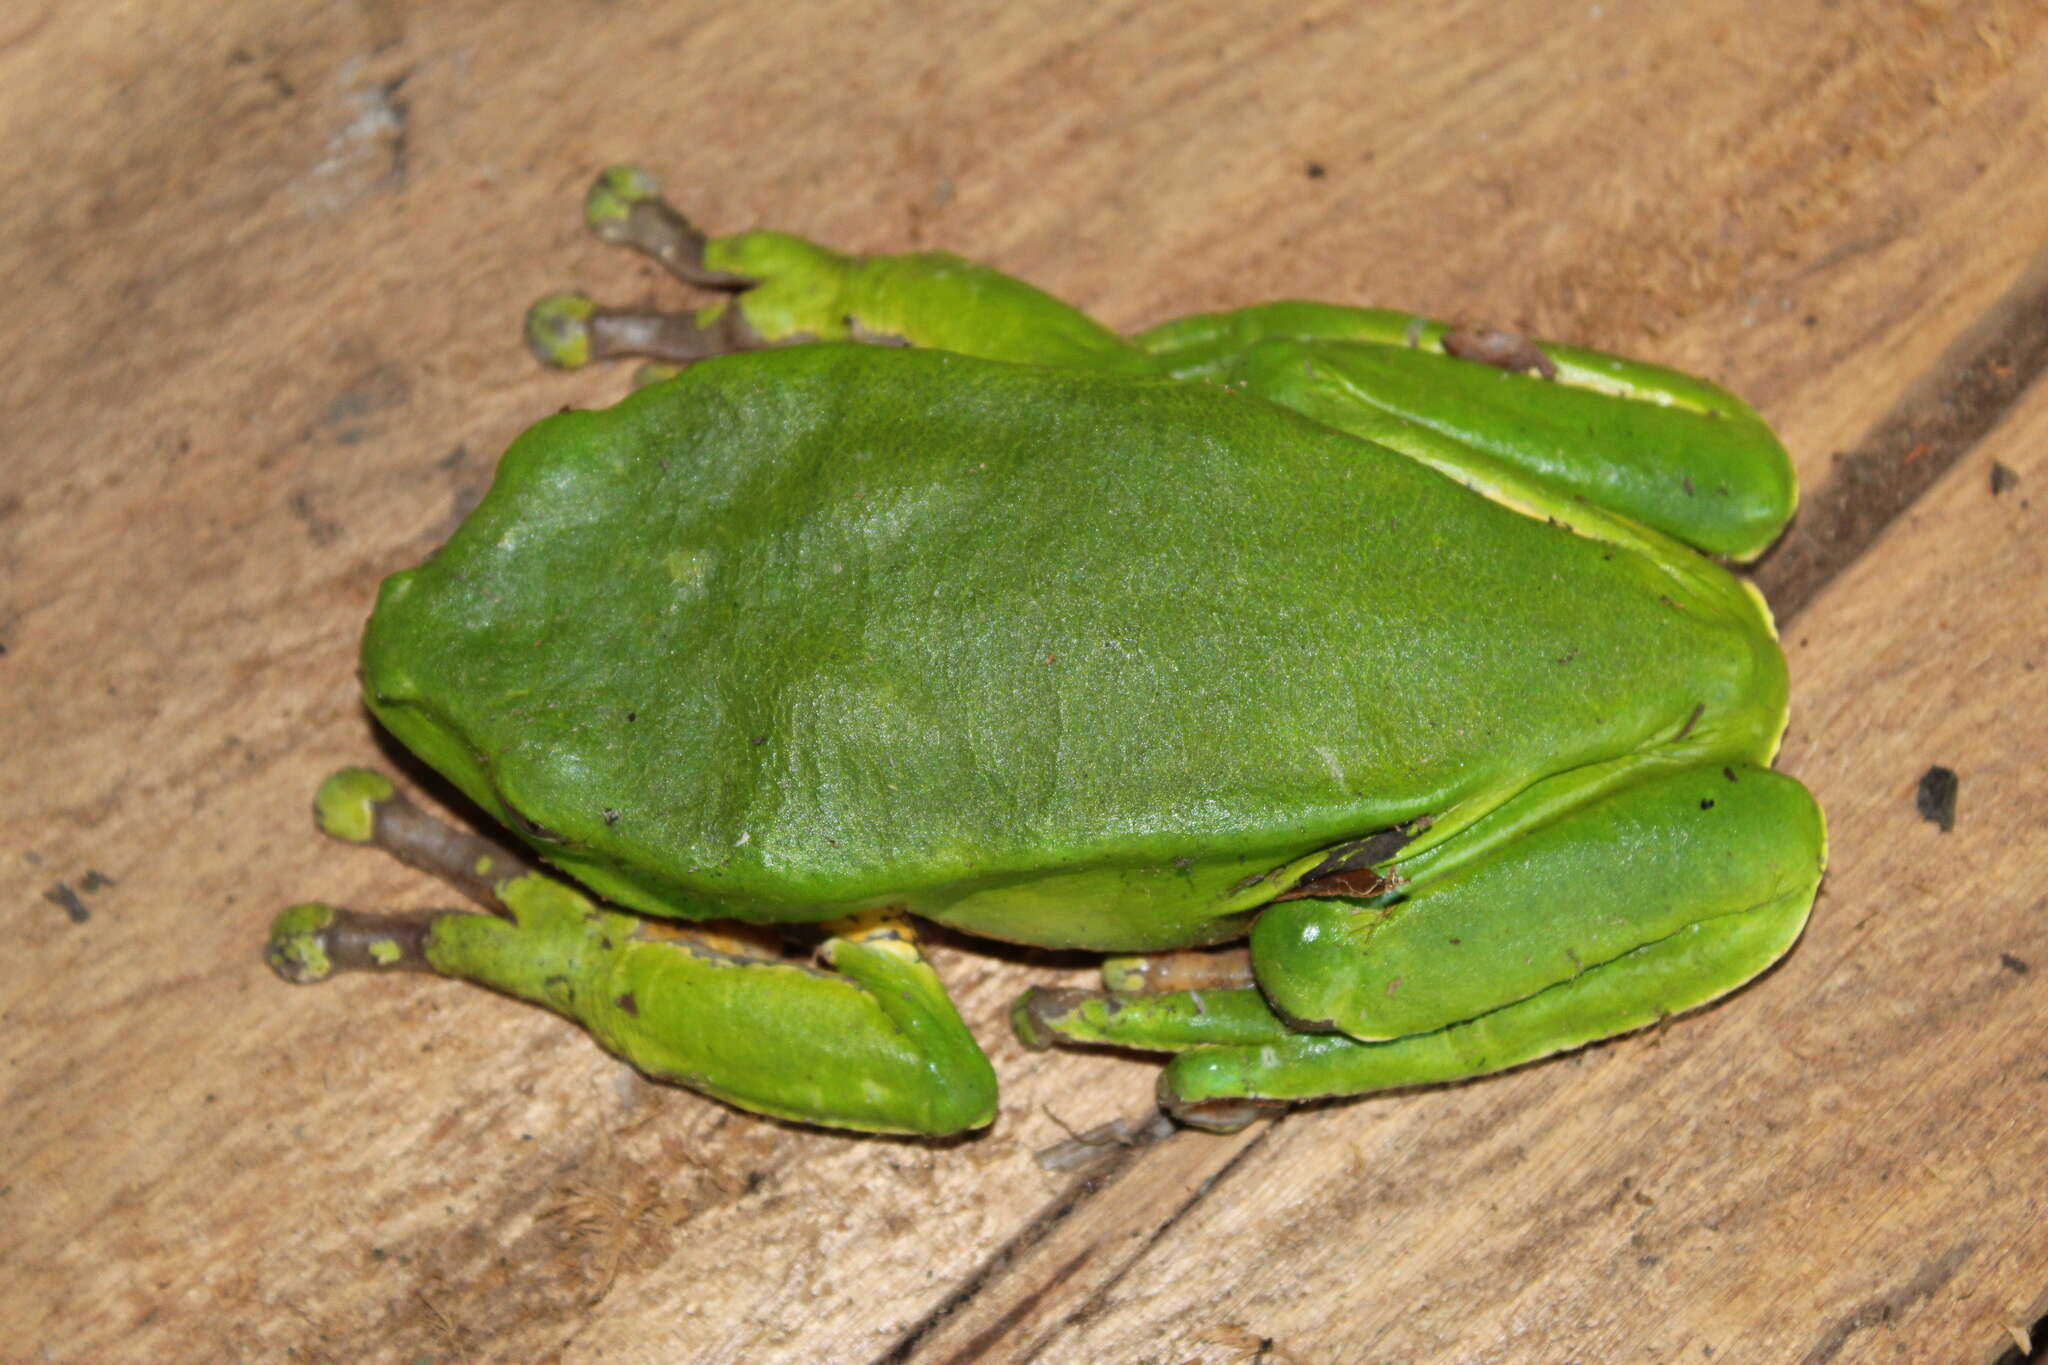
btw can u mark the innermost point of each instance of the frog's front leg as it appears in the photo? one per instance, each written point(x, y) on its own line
point(872, 1044)
point(789, 291)
point(1649, 900)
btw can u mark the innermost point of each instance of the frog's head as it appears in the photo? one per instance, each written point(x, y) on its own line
point(444, 748)
point(405, 706)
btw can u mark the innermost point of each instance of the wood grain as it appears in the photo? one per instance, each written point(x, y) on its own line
point(266, 265)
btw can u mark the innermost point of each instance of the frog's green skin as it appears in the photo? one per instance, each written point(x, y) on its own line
point(1076, 640)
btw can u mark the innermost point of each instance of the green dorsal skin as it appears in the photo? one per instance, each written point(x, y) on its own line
point(805, 631)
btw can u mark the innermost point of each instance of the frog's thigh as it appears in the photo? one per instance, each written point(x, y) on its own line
point(874, 1045)
point(1655, 899)
point(1631, 868)
point(1663, 448)
point(1676, 973)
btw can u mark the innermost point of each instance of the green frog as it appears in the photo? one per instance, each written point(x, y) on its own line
point(1398, 653)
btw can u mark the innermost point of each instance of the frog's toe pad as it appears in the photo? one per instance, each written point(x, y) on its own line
point(612, 197)
point(346, 805)
point(558, 330)
point(297, 950)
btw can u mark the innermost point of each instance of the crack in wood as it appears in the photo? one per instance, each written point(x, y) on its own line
point(1941, 417)
point(1879, 1309)
point(2032, 1326)
point(1029, 1236)
point(1095, 1302)
point(992, 1335)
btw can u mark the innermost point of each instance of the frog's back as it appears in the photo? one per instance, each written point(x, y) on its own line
point(805, 630)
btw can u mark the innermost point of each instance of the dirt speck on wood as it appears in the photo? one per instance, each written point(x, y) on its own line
point(1935, 798)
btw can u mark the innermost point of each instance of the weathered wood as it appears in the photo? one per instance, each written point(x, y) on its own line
point(266, 267)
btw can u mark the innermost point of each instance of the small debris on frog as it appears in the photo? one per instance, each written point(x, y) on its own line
point(1500, 348)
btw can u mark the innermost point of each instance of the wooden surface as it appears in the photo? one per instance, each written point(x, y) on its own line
point(265, 266)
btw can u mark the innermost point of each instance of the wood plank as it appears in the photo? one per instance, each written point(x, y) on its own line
point(267, 266)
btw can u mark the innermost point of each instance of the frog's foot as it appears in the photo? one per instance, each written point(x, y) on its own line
point(864, 1038)
point(1647, 901)
point(785, 291)
point(625, 208)
point(1229, 1019)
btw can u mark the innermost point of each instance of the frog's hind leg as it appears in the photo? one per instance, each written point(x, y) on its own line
point(1553, 429)
point(868, 1041)
point(1651, 900)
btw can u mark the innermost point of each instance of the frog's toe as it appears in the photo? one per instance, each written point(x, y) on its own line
point(1215, 1115)
point(1039, 1012)
point(612, 196)
point(346, 804)
point(558, 330)
point(568, 330)
point(362, 806)
point(311, 942)
point(625, 208)
point(297, 949)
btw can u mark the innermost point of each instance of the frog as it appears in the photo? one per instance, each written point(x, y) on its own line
point(1377, 695)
